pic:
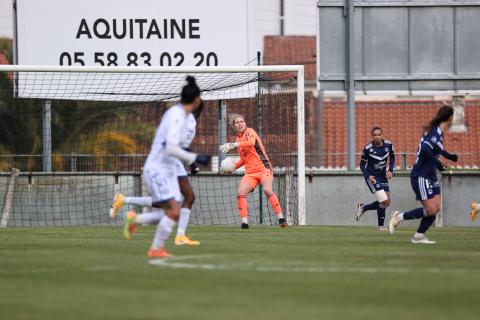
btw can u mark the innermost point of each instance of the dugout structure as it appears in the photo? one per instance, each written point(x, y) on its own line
point(72, 137)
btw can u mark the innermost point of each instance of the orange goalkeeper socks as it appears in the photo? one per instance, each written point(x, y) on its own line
point(272, 198)
point(242, 206)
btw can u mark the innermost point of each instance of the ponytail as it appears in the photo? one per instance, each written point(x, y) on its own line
point(444, 113)
point(190, 91)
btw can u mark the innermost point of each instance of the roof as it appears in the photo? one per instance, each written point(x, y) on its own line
point(283, 50)
point(402, 123)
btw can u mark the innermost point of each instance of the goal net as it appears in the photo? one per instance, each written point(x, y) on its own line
point(73, 137)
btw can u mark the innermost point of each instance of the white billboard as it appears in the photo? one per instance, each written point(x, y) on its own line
point(142, 33)
point(134, 33)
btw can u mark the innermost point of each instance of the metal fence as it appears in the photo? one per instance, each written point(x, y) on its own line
point(134, 162)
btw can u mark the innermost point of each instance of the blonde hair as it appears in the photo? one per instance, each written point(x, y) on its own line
point(233, 116)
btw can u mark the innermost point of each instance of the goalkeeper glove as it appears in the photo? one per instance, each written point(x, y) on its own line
point(227, 147)
point(223, 172)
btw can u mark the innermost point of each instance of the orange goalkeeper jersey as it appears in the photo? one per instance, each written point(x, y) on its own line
point(252, 152)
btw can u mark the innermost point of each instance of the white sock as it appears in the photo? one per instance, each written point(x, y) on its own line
point(164, 229)
point(279, 215)
point(152, 217)
point(139, 201)
point(400, 216)
point(245, 220)
point(183, 221)
point(419, 235)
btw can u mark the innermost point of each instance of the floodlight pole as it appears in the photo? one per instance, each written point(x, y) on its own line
point(350, 83)
point(47, 136)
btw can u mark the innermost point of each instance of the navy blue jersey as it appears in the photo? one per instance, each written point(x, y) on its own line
point(429, 149)
point(374, 159)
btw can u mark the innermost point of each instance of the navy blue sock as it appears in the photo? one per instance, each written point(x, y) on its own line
point(425, 223)
point(381, 216)
point(413, 214)
point(371, 206)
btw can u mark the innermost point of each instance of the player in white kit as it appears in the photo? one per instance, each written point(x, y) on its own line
point(160, 169)
point(185, 188)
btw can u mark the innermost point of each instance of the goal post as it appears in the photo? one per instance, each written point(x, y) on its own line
point(139, 89)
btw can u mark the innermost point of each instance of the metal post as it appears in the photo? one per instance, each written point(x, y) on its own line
point(47, 136)
point(350, 84)
point(301, 146)
point(319, 131)
point(73, 162)
point(282, 17)
point(260, 129)
point(222, 127)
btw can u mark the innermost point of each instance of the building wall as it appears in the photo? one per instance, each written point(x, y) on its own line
point(6, 20)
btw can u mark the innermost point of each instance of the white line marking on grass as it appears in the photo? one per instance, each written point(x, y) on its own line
point(173, 263)
point(102, 268)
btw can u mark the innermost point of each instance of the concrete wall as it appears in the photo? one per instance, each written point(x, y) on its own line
point(331, 199)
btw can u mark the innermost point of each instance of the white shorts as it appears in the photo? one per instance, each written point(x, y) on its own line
point(180, 168)
point(162, 185)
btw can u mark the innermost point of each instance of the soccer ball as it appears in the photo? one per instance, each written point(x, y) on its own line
point(227, 165)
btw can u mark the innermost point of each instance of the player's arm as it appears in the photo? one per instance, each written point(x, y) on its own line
point(240, 163)
point(450, 156)
point(363, 164)
point(391, 162)
point(229, 146)
point(427, 149)
point(172, 144)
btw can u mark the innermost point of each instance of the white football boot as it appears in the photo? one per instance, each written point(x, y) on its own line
point(394, 222)
point(421, 238)
point(360, 211)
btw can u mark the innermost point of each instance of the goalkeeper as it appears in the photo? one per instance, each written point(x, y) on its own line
point(258, 169)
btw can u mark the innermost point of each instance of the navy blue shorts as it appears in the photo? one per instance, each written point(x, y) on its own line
point(425, 188)
point(380, 184)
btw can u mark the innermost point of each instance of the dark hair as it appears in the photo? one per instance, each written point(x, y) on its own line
point(190, 91)
point(376, 128)
point(197, 112)
point(444, 113)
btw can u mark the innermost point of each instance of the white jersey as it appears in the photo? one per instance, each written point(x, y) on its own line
point(171, 130)
point(190, 131)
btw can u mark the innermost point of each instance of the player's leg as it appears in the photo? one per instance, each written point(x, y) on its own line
point(382, 206)
point(120, 200)
point(361, 207)
point(188, 199)
point(165, 192)
point(418, 186)
point(247, 185)
point(431, 207)
point(164, 228)
point(474, 212)
point(428, 193)
point(267, 184)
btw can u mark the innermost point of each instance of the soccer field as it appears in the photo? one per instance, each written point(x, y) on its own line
point(261, 273)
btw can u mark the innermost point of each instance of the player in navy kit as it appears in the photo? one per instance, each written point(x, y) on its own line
point(424, 176)
point(373, 164)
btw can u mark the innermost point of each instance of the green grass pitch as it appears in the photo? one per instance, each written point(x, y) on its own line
point(261, 273)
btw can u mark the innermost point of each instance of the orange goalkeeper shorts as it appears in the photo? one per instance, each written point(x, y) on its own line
point(256, 178)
